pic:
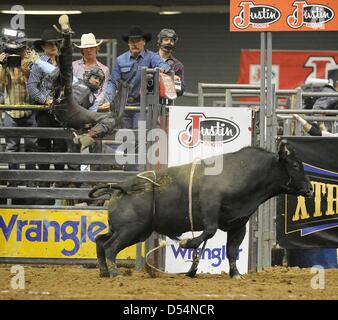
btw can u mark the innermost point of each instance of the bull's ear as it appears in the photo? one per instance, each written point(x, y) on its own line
point(283, 150)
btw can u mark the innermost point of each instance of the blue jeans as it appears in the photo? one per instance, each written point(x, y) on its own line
point(13, 143)
point(129, 121)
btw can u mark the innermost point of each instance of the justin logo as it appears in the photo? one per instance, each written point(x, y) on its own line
point(258, 16)
point(211, 130)
point(313, 15)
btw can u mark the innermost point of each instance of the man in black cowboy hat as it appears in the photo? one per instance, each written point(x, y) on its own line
point(48, 37)
point(127, 67)
point(41, 90)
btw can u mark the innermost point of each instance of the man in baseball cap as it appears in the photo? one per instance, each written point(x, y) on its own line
point(166, 41)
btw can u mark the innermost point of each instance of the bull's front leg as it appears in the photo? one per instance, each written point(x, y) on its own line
point(234, 239)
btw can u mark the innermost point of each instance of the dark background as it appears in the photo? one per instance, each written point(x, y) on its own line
point(210, 53)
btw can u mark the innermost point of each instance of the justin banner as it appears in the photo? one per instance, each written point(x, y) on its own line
point(202, 132)
point(312, 222)
point(290, 69)
point(286, 15)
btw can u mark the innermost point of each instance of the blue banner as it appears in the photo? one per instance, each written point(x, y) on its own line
point(312, 222)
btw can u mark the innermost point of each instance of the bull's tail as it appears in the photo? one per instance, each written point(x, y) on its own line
point(106, 189)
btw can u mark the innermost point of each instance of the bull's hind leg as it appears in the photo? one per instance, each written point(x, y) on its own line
point(210, 222)
point(125, 238)
point(194, 243)
point(234, 239)
point(100, 253)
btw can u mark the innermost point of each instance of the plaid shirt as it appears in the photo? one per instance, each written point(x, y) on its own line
point(39, 87)
point(13, 85)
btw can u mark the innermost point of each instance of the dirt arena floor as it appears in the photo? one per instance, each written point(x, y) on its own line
point(77, 282)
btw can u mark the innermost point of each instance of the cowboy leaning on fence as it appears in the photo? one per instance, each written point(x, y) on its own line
point(66, 107)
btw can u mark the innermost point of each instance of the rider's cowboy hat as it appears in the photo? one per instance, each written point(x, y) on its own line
point(88, 40)
point(47, 35)
point(136, 32)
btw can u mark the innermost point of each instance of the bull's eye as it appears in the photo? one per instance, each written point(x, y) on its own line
point(295, 166)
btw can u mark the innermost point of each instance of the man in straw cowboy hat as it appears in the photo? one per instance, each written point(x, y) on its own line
point(128, 66)
point(89, 48)
point(65, 107)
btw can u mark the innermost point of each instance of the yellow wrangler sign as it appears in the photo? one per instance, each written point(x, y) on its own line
point(59, 233)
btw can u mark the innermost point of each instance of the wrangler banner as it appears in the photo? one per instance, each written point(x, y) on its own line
point(59, 233)
point(290, 68)
point(312, 222)
point(286, 15)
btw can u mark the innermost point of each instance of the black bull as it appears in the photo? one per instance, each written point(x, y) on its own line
point(224, 201)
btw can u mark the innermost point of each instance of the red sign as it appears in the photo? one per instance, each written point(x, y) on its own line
point(285, 15)
point(290, 69)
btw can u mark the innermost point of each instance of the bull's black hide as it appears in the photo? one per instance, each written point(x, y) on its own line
point(225, 201)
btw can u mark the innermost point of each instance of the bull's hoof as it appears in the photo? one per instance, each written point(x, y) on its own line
point(113, 274)
point(237, 277)
point(191, 273)
point(153, 274)
point(189, 243)
point(184, 243)
point(104, 273)
point(112, 269)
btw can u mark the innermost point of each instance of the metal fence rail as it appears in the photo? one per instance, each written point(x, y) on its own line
point(62, 176)
point(293, 127)
point(63, 158)
point(53, 133)
point(202, 86)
